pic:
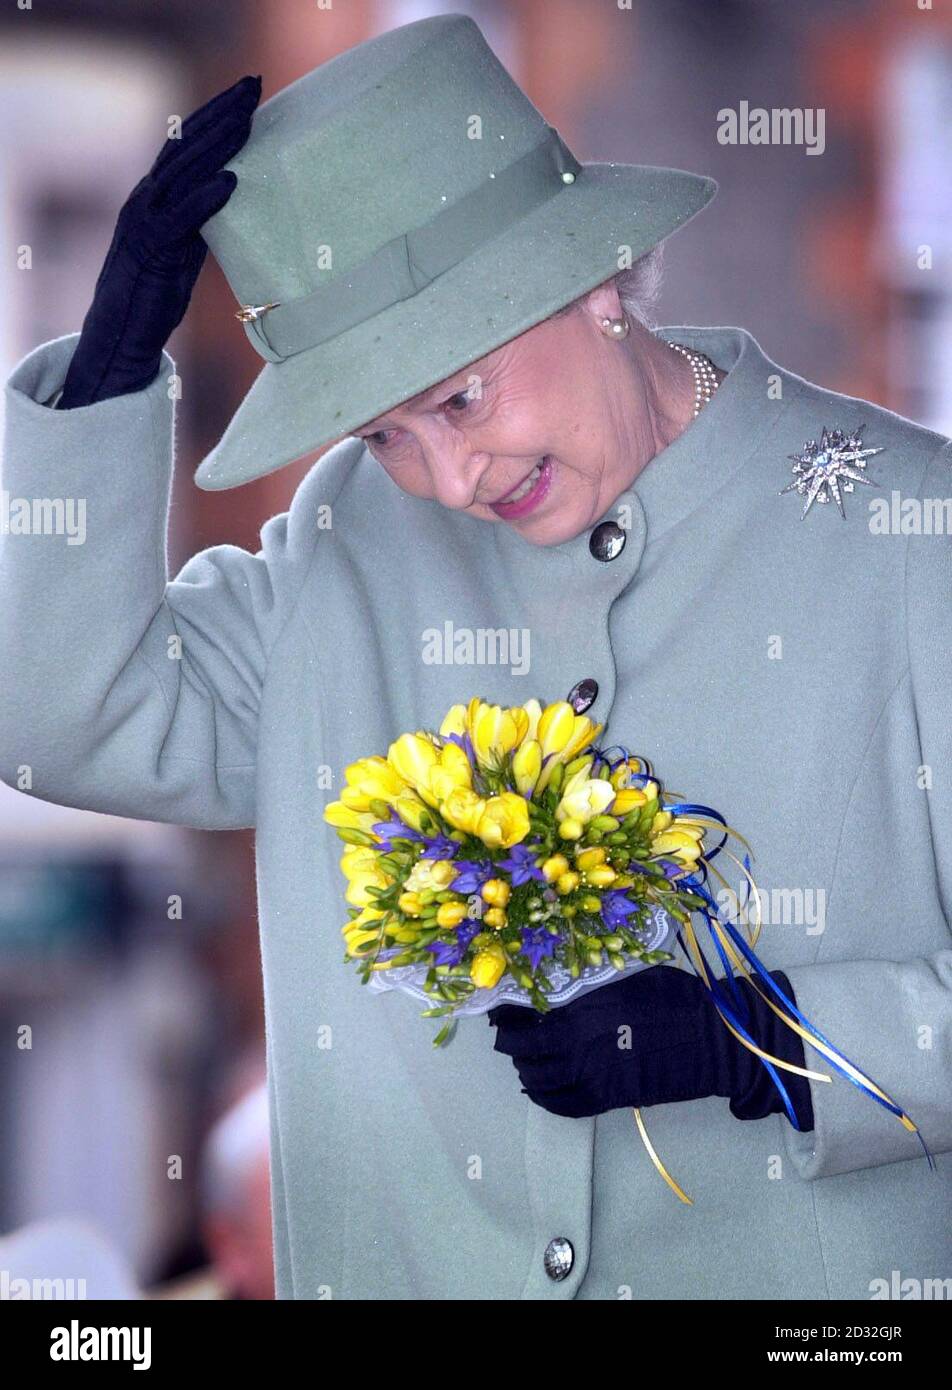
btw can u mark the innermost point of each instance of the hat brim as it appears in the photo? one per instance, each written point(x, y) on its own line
point(560, 250)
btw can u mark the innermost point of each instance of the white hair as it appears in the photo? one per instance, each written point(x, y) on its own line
point(638, 288)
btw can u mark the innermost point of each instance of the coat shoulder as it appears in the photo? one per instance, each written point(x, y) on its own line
point(331, 474)
point(349, 476)
point(907, 448)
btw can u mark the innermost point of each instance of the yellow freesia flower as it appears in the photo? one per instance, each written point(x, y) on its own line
point(359, 933)
point(526, 765)
point(413, 756)
point(368, 778)
point(452, 770)
point(430, 873)
point(336, 813)
point(589, 858)
point(504, 822)
point(358, 883)
point(363, 919)
point(358, 859)
point(556, 726)
point(455, 721)
point(584, 797)
point(411, 810)
point(682, 845)
point(585, 732)
point(626, 800)
point(450, 914)
point(534, 710)
point(495, 891)
point(495, 731)
point(488, 967)
point(563, 735)
point(442, 873)
point(463, 809)
point(554, 866)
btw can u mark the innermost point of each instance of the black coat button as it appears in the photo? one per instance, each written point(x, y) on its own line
point(582, 695)
point(558, 1258)
point(607, 540)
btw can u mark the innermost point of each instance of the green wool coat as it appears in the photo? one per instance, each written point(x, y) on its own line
point(795, 674)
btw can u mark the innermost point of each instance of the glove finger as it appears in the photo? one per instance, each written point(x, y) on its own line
point(242, 96)
point(194, 167)
point(197, 160)
point(546, 1040)
point(523, 1049)
point(542, 1077)
point(565, 1102)
point(202, 203)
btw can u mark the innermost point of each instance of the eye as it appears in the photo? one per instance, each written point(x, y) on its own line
point(378, 437)
point(456, 404)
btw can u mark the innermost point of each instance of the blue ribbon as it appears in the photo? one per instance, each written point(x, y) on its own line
point(696, 885)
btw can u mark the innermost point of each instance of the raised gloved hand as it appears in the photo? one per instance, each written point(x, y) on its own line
point(157, 252)
point(570, 1060)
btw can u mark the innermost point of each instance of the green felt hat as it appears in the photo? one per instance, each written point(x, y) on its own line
point(401, 211)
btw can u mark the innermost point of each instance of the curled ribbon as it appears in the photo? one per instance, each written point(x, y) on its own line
point(727, 942)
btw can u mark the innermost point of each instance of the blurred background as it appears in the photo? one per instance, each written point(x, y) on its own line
point(133, 1119)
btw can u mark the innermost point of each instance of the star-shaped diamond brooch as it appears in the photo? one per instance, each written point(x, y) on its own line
point(823, 471)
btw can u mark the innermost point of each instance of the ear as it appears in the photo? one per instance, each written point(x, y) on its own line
point(602, 303)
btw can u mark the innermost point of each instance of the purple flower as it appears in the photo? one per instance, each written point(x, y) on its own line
point(473, 873)
point(452, 952)
point(616, 907)
point(389, 830)
point(521, 864)
point(440, 847)
point(538, 943)
point(672, 869)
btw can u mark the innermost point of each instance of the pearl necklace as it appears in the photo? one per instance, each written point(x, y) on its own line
point(705, 378)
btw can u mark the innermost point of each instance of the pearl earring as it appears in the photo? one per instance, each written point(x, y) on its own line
point(616, 328)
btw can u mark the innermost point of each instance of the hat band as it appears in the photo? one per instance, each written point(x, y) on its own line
point(411, 261)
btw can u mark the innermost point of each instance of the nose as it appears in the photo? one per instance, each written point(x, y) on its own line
point(456, 471)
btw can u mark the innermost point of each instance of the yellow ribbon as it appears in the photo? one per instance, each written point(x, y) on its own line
point(678, 1190)
point(740, 964)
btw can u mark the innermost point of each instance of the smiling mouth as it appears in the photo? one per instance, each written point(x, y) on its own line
point(522, 489)
point(528, 491)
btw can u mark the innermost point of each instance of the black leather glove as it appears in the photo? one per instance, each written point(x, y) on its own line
point(570, 1062)
point(156, 253)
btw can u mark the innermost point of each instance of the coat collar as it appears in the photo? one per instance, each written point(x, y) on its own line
point(701, 462)
point(715, 446)
point(681, 478)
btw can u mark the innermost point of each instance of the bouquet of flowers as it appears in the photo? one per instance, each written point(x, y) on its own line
point(505, 859)
point(510, 859)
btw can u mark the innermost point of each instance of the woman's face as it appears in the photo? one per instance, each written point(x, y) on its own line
point(539, 415)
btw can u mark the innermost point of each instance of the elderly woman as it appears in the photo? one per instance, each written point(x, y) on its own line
point(431, 274)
